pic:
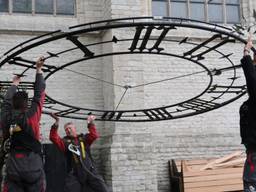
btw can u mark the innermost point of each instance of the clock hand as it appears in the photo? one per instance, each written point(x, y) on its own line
point(168, 79)
point(213, 71)
point(83, 74)
point(126, 88)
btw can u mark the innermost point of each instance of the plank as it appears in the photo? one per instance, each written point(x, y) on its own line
point(222, 160)
point(213, 172)
point(212, 177)
point(214, 183)
point(196, 163)
point(223, 188)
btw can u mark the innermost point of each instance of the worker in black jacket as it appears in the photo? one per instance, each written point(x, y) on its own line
point(248, 119)
point(20, 125)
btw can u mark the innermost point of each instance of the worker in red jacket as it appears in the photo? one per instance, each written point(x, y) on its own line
point(81, 172)
point(20, 126)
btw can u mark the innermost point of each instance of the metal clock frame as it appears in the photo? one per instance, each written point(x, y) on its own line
point(138, 45)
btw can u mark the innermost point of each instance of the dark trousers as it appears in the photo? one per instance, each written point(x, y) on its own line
point(249, 175)
point(91, 184)
point(24, 173)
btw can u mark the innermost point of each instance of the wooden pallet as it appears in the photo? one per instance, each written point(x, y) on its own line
point(207, 175)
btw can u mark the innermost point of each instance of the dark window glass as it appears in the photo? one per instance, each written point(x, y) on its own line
point(215, 1)
point(232, 2)
point(179, 8)
point(44, 6)
point(65, 7)
point(233, 11)
point(215, 11)
point(4, 6)
point(22, 6)
point(233, 14)
point(159, 8)
point(197, 11)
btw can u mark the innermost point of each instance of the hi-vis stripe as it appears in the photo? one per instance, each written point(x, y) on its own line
point(83, 149)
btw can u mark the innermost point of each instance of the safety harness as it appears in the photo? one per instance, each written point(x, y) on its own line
point(79, 155)
point(19, 138)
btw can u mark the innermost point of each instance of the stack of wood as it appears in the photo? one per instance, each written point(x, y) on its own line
point(208, 175)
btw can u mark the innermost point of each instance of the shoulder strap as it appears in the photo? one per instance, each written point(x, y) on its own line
point(82, 145)
point(20, 137)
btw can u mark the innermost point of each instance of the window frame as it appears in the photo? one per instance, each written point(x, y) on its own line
point(224, 15)
point(179, 1)
point(33, 10)
point(239, 8)
point(224, 4)
point(190, 11)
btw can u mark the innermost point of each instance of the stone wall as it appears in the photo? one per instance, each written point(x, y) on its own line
point(131, 156)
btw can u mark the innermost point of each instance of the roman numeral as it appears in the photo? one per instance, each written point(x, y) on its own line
point(83, 48)
point(199, 56)
point(119, 115)
point(219, 71)
point(23, 85)
point(199, 105)
point(110, 115)
point(68, 111)
point(52, 54)
point(48, 101)
point(183, 40)
point(29, 64)
point(137, 37)
point(158, 114)
point(226, 56)
point(104, 115)
point(226, 89)
point(26, 86)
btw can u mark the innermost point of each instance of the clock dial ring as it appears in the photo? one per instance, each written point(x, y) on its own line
point(148, 114)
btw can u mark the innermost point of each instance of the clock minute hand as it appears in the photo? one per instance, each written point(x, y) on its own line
point(213, 72)
point(168, 79)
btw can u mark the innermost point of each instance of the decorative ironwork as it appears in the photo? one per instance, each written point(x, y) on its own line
point(149, 34)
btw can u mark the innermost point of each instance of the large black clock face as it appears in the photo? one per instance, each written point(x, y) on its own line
point(159, 60)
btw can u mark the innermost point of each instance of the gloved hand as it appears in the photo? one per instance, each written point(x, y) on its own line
point(90, 119)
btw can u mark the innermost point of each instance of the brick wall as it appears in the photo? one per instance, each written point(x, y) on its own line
point(131, 156)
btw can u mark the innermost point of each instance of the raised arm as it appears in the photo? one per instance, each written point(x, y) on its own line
point(249, 70)
point(7, 105)
point(92, 134)
point(54, 136)
point(35, 111)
